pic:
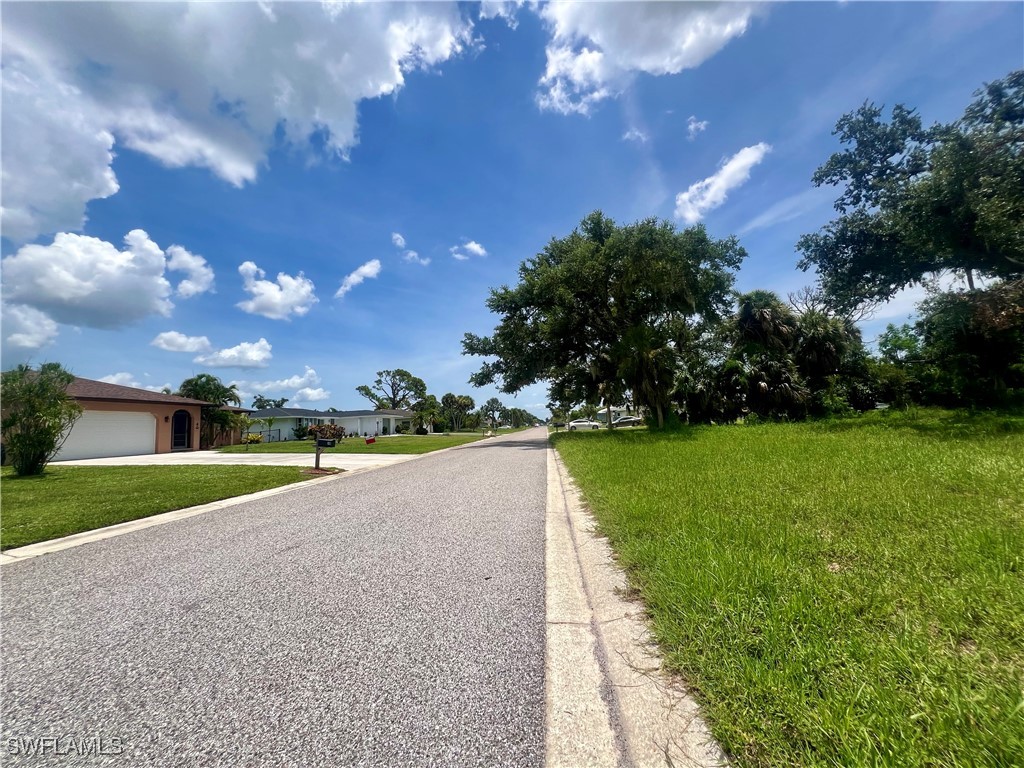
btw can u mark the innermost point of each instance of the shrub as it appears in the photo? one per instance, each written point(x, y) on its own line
point(326, 431)
point(833, 400)
point(300, 433)
point(38, 414)
point(253, 437)
point(421, 431)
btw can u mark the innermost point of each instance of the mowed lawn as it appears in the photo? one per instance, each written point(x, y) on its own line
point(842, 593)
point(396, 444)
point(66, 500)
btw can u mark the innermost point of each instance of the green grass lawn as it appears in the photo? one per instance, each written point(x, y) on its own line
point(844, 593)
point(66, 500)
point(396, 444)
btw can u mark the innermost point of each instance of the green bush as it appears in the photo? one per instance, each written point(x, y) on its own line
point(253, 437)
point(38, 414)
point(326, 432)
point(833, 400)
point(300, 433)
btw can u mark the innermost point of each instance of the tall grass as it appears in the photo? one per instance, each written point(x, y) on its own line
point(847, 593)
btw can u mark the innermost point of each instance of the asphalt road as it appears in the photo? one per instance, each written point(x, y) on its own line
point(390, 618)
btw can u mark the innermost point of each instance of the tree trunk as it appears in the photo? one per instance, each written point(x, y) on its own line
point(661, 417)
point(970, 278)
point(608, 410)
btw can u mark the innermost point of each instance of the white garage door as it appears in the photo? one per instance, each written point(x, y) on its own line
point(97, 434)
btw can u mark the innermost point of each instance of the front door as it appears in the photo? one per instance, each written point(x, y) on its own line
point(181, 431)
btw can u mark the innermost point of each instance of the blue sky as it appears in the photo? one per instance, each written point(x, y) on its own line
point(186, 189)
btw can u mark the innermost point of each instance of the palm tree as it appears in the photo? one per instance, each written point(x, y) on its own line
point(426, 412)
point(821, 343)
point(774, 387)
point(647, 364)
point(206, 386)
point(766, 334)
point(493, 410)
point(763, 321)
point(210, 389)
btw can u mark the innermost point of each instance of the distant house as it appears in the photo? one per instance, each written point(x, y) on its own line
point(617, 412)
point(354, 422)
point(126, 421)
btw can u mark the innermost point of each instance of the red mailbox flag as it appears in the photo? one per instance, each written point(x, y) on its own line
point(371, 440)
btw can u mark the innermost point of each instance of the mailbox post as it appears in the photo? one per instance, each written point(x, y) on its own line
point(322, 443)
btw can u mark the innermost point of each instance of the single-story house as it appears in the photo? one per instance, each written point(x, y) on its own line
point(285, 420)
point(126, 421)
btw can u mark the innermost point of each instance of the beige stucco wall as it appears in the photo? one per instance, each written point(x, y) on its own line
point(162, 412)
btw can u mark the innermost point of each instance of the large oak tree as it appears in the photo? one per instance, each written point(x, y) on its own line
point(394, 390)
point(604, 310)
point(918, 201)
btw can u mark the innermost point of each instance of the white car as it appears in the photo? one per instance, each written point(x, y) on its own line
point(583, 424)
point(628, 421)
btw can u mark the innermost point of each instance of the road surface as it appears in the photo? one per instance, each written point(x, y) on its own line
point(394, 617)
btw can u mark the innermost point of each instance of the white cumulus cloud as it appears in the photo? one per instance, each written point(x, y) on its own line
point(308, 378)
point(368, 270)
point(306, 382)
point(80, 280)
point(25, 331)
point(173, 341)
point(245, 355)
point(706, 195)
point(695, 126)
point(309, 395)
point(200, 274)
point(466, 250)
point(277, 300)
point(57, 151)
point(125, 379)
point(635, 134)
point(595, 48)
point(501, 9)
point(415, 258)
point(408, 254)
point(207, 85)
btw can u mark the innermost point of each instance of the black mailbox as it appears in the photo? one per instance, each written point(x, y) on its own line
point(323, 442)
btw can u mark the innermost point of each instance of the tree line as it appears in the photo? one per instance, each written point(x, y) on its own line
point(646, 314)
point(400, 390)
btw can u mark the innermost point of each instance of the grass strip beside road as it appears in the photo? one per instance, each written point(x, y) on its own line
point(837, 593)
point(66, 500)
point(396, 444)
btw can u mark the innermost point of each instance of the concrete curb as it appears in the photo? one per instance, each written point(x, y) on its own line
point(608, 703)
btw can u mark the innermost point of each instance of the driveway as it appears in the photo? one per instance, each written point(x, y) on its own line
point(394, 617)
point(348, 461)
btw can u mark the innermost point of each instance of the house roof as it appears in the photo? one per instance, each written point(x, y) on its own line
point(305, 413)
point(87, 389)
